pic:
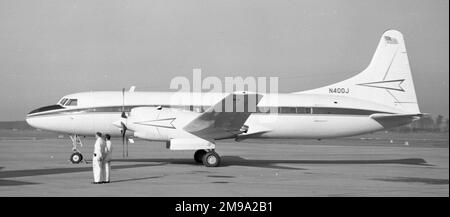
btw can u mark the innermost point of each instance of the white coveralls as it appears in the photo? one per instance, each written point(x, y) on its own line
point(96, 160)
point(107, 160)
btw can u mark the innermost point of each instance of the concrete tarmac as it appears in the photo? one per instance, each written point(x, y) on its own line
point(359, 166)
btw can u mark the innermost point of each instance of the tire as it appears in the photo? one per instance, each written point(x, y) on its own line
point(211, 159)
point(198, 155)
point(76, 158)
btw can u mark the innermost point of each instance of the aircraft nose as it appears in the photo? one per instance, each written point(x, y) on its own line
point(31, 122)
point(33, 118)
point(43, 122)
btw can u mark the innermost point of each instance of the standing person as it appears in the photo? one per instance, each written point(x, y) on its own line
point(108, 158)
point(97, 158)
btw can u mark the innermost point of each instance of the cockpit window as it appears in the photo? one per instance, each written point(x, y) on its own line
point(72, 102)
point(62, 101)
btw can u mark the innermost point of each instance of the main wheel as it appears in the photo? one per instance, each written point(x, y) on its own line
point(76, 157)
point(211, 159)
point(198, 155)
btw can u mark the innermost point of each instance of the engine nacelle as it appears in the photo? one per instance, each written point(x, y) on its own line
point(189, 144)
point(159, 124)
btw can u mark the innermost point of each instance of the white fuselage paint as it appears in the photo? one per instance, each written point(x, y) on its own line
point(88, 117)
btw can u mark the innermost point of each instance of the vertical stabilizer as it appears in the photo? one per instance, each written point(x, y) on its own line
point(387, 80)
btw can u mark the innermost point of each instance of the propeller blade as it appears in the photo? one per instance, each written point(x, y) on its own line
point(123, 115)
point(124, 131)
point(124, 127)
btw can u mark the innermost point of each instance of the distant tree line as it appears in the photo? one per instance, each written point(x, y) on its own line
point(426, 124)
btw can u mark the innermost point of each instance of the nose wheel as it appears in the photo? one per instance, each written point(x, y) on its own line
point(76, 158)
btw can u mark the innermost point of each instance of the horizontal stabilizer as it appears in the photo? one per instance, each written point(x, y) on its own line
point(394, 120)
point(382, 115)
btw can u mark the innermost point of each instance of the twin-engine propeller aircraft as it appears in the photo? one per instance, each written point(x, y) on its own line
point(380, 97)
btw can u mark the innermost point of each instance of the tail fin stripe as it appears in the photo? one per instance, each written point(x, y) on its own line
point(390, 85)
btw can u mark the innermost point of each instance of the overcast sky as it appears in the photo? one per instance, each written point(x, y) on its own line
point(52, 48)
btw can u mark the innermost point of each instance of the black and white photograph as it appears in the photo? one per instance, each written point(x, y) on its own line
point(224, 99)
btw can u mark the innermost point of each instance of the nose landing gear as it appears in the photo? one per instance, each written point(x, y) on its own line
point(76, 157)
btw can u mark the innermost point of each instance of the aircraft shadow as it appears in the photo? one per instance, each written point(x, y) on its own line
point(428, 181)
point(5, 182)
point(226, 161)
point(52, 171)
point(272, 164)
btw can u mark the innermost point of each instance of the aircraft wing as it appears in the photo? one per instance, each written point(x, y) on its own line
point(226, 118)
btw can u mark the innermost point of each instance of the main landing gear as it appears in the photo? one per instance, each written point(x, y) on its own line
point(76, 157)
point(209, 158)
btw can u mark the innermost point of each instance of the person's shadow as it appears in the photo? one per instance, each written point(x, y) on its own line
point(52, 171)
point(136, 179)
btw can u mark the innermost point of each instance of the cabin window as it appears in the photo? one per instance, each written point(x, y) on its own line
point(288, 110)
point(303, 110)
point(308, 110)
